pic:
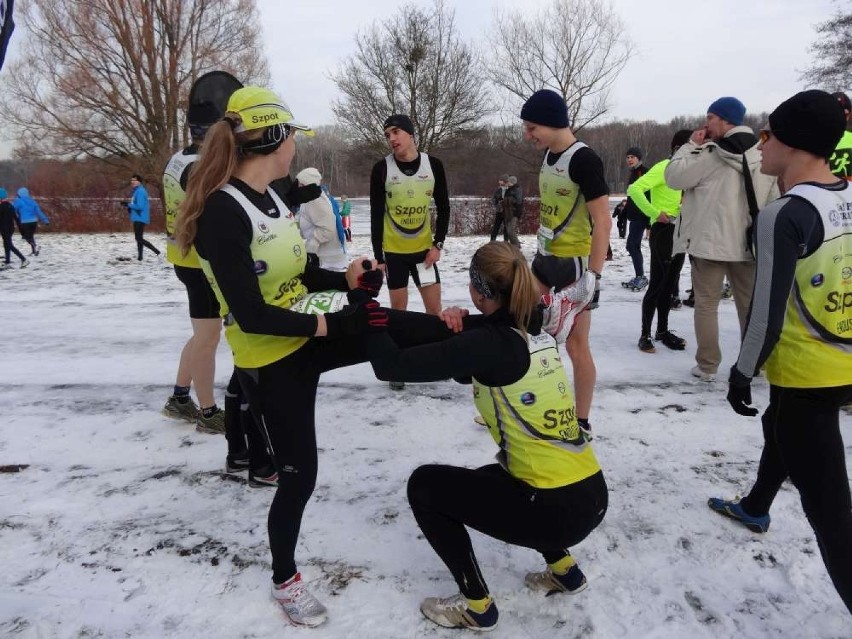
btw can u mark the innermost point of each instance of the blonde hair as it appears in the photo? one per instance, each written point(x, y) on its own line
point(505, 269)
point(216, 164)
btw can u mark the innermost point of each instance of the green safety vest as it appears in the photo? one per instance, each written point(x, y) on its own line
point(534, 422)
point(815, 347)
point(408, 225)
point(565, 225)
point(279, 255)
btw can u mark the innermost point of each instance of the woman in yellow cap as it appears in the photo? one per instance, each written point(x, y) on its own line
point(252, 253)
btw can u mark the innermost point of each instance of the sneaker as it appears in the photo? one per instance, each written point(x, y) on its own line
point(636, 284)
point(690, 300)
point(300, 606)
point(731, 508)
point(676, 303)
point(237, 463)
point(702, 375)
point(262, 478)
point(215, 424)
point(453, 612)
point(550, 583)
point(559, 311)
point(397, 386)
point(670, 340)
point(180, 410)
point(36, 249)
point(25, 263)
point(646, 345)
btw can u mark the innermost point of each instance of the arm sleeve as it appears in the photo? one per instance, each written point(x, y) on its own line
point(689, 165)
point(587, 170)
point(441, 195)
point(473, 353)
point(787, 230)
point(637, 191)
point(319, 279)
point(224, 239)
point(377, 209)
point(40, 214)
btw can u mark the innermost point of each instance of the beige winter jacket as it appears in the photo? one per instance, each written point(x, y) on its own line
point(714, 214)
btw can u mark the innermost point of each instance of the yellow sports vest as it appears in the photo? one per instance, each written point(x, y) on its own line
point(815, 347)
point(408, 223)
point(840, 162)
point(565, 226)
point(534, 422)
point(278, 251)
point(174, 195)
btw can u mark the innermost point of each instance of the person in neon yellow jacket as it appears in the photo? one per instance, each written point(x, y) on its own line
point(662, 211)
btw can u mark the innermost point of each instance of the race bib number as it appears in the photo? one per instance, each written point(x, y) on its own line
point(321, 302)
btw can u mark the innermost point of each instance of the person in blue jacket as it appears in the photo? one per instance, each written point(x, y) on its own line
point(29, 214)
point(140, 215)
point(7, 229)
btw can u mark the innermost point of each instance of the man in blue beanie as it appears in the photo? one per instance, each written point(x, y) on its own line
point(718, 171)
point(574, 225)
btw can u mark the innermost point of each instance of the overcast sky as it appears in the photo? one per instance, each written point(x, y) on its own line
point(687, 53)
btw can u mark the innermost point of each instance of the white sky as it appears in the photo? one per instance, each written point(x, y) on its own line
point(688, 53)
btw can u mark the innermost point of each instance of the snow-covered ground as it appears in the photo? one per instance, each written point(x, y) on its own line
point(123, 523)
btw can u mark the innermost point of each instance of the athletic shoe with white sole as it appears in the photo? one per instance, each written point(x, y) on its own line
point(300, 606)
point(550, 583)
point(177, 409)
point(454, 612)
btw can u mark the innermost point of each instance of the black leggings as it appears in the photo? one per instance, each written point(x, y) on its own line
point(241, 432)
point(445, 499)
point(9, 248)
point(802, 441)
point(28, 230)
point(138, 230)
point(665, 272)
point(282, 398)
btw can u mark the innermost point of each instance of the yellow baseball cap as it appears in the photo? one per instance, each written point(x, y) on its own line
point(259, 107)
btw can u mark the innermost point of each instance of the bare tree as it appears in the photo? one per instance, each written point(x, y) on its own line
point(109, 78)
point(413, 63)
point(575, 47)
point(833, 53)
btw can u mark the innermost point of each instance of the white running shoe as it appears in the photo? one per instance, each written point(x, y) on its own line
point(25, 263)
point(453, 612)
point(704, 376)
point(560, 312)
point(301, 607)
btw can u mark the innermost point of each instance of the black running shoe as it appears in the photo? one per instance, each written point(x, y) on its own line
point(670, 340)
point(646, 345)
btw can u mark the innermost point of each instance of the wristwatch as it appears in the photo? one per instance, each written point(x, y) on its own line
point(438, 245)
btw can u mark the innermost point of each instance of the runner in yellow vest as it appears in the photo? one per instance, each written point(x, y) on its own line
point(800, 327)
point(546, 491)
point(574, 225)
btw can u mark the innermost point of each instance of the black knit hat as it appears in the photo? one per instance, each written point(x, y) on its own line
point(400, 121)
point(202, 114)
point(635, 151)
point(547, 108)
point(812, 121)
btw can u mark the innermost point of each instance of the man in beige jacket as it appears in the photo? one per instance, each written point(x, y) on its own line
point(713, 169)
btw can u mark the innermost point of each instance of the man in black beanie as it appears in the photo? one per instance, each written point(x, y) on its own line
point(574, 225)
point(799, 327)
point(638, 222)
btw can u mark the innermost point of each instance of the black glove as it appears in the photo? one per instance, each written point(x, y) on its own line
point(369, 285)
point(313, 260)
point(596, 297)
point(301, 194)
point(739, 394)
point(356, 319)
point(124, 203)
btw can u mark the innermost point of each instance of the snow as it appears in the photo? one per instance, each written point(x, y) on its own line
point(125, 525)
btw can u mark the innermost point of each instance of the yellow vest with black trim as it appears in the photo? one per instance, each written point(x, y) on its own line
point(815, 347)
point(408, 219)
point(534, 422)
point(565, 225)
point(279, 255)
point(174, 196)
point(840, 162)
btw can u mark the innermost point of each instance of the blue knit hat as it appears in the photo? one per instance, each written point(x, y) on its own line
point(729, 109)
point(547, 108)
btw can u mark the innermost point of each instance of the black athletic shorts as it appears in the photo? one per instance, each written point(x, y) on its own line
point(400, 265)
point(202, 301)
point(558, 272)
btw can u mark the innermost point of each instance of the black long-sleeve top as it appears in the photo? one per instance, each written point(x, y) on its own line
point(440, 194)
point(489, 349)
point(787, 230)
point(224, 238)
